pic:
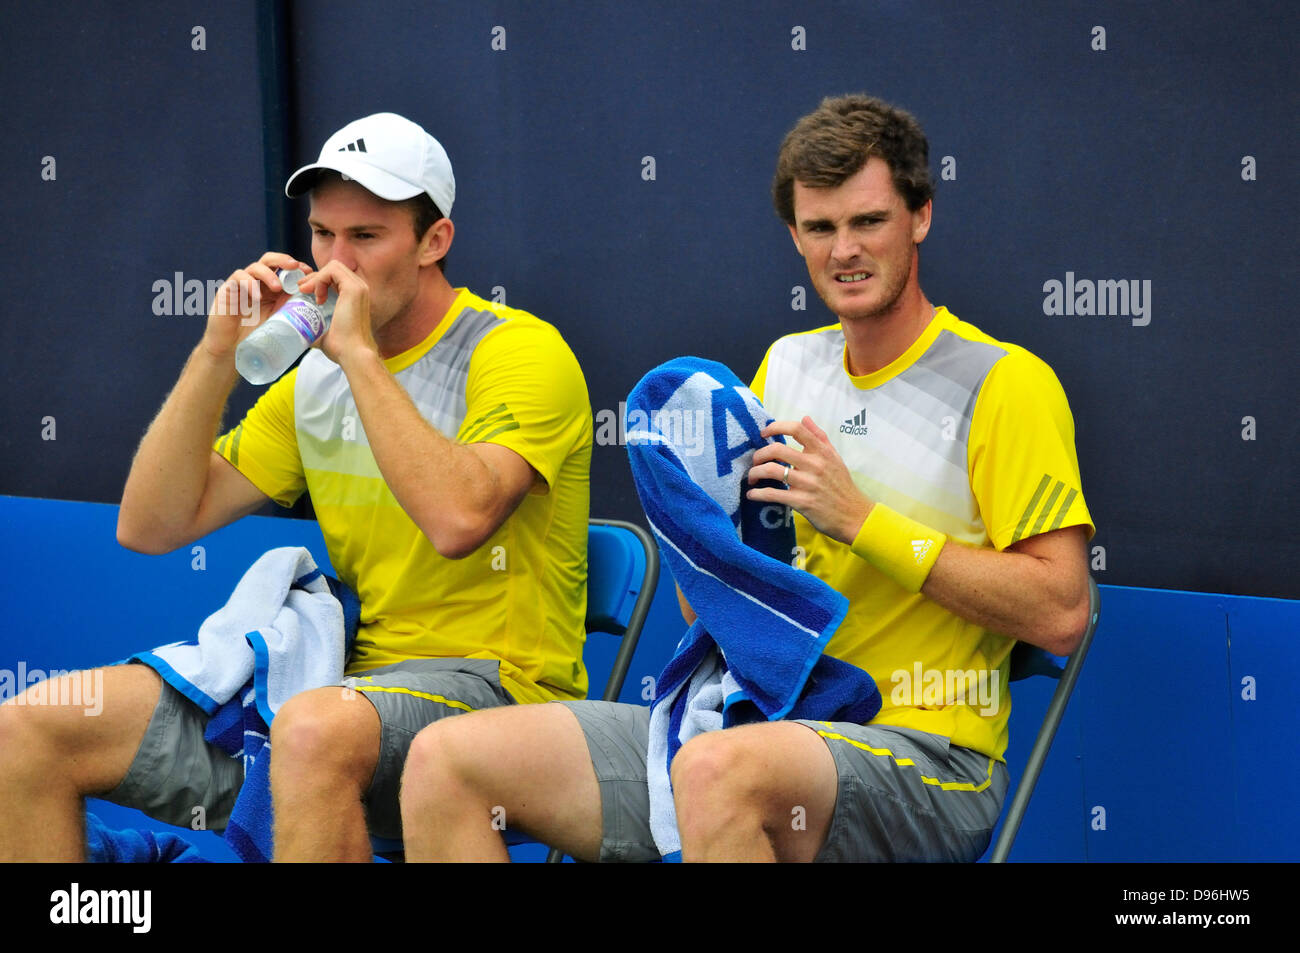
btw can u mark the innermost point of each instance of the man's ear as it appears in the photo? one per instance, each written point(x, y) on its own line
point(794, 236)
point(921, 222)
point(436, 241)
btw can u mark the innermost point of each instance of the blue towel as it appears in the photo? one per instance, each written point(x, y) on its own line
point(238, 729)
point(755, 651)
point(285, 629)
point(105, 846)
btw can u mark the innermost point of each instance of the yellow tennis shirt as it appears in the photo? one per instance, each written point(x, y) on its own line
point(965, 434)
point(486, 374)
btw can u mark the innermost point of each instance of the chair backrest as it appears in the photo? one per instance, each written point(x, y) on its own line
point(622, 575)
point(1028, 660)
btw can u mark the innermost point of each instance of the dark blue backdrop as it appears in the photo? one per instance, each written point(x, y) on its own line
point(1167, 157)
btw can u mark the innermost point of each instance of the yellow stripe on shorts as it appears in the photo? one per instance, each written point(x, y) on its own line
point(410, 691)
point(908, 762)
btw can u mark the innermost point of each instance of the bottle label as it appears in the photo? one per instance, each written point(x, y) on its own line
point(305, 317)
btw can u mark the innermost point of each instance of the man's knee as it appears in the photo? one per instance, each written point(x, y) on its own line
point(434, 762)
point(331, 729)
point(760, 777)
point(432, 749)
point(714, 765)
point(714, 791)
point(715, 782)
point(453, 750)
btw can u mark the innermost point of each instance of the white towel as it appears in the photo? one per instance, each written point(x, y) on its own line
point(281, 627)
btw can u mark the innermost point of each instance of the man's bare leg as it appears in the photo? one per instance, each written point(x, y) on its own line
point(53, 755)
point(759, 792)
point(524, 766)
point(324, 750)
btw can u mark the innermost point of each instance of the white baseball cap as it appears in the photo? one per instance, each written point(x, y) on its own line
point(387, 154)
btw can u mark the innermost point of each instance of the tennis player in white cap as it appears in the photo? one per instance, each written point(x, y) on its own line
point(445, 443)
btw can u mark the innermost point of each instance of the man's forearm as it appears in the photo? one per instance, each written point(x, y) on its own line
point(1036, 591)
point(1023, 596)
point(170, 469)
point(445, 487)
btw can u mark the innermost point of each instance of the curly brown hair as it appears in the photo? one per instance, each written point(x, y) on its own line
point(834, 141)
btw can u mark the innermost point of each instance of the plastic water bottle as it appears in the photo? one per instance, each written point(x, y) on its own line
point(267, 353)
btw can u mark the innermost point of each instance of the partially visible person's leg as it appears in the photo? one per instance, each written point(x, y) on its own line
point(758, 792)
point(324, 748)
point(805, 790)
point(570, 774)
point(337, 753)
point(59, 744)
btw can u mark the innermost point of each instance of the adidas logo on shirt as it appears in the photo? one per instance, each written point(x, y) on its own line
point(358, 146)
point(857, 424)
point(920, 547)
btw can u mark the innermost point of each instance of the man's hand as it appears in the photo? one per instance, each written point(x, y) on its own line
point(820, 485)
point(179, 488)
point(349, 332)
point(249, 296)
point(1035, 591)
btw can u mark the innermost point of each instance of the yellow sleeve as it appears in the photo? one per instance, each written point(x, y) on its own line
point(264, 445)
point(526, 392)
point(1024, 470)
point(760, 376)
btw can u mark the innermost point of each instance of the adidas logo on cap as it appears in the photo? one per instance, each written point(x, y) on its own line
point(389, 156)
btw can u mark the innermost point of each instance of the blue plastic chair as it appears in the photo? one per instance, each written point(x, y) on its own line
point(1027, 661)
point(622, 575)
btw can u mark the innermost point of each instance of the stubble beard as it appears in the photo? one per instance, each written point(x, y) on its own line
point(889, 301)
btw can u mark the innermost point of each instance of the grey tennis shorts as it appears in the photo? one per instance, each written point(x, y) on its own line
point(904, 795)
point(176, 772)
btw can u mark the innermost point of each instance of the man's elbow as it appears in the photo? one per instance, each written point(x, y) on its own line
point(138, 541)
point(1069, 626)
point(460, 536)
point(143, 536)
point(453, 548)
